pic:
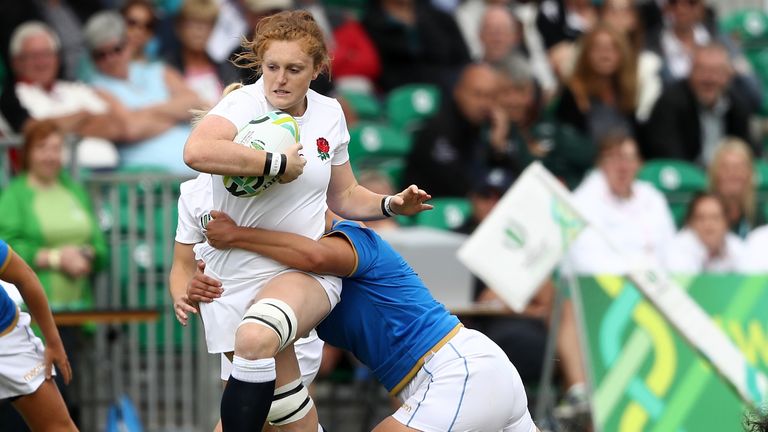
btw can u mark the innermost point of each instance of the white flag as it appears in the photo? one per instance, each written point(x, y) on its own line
point(516, 247)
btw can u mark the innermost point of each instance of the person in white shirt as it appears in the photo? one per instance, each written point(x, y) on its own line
point(704, 244)
point(630, 212)
point(755, 258)
point(289, 51)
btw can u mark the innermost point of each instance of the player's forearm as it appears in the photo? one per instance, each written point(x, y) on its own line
point(293, 250)
point(357, 203)
point(178, 279)
point(34, 297)
point(224, 157)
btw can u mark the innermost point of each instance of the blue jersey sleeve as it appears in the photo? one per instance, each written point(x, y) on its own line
point(363, 243)
point(5, 255)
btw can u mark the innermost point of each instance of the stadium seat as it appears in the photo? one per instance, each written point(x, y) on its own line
point(408, 105)
point(678, 180)
point(761, 175)
point(748, 26)
point(366, 106)
point(377, 141)
point(448, 214)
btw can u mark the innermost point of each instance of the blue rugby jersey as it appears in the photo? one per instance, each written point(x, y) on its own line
point(386, 317)
point(7, 306)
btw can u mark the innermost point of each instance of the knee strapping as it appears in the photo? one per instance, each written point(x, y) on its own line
point(290, 403)
point(276, 315)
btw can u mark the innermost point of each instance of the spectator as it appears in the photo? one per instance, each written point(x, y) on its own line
point(206, 77)
point(355, 63)
point(140, 23)
point(622, 16)
point(443, 158)
point(469, 16)
point(731, 178)
point(499, 35)
point(693, 116)
point(151, 87)
point(73, 106)
point(530, 134)
point(631, 213)
point(416, 43)
point(561, 23)
point(704, 245)
point(50, 222)
point(601, 94)
point(535, 49)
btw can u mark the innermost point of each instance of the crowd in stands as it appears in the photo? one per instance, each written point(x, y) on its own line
point(592, 90)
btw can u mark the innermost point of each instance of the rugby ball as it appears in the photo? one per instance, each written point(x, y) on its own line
point(275, 131)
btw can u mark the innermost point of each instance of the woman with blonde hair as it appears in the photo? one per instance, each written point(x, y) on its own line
point(264, 305)
point(601, 93)
point(731, 177)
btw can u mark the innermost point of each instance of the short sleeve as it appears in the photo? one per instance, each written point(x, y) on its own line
point(188, 231)
point(364, 245)
point(341, 152)
point(5, 256)
point(239, 107)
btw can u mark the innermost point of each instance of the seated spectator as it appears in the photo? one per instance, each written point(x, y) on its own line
point(704, 245)
point(623, 17)
point(756, 251)
point(693, 116)
point(417, 43)
point(443, 157)
point(629, 212)
point(50, 222)
point(140, 23)
point(731, 178)
point(499, 35)
point(561, 23)
point(194, 25)
point(152, 87)
point(601, 94)
point(529, 134)
point(73, 106)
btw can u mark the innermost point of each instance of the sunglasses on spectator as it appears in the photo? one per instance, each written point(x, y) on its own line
point(103, 53)
point(146, 25)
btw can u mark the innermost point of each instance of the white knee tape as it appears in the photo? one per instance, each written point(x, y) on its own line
point(290, 403)
point(276, 315)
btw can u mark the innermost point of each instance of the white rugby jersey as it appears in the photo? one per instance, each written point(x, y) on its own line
point(299, 206)
point(195, 204)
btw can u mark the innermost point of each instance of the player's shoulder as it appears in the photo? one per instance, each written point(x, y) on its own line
point(198, 184)
point(325, 102)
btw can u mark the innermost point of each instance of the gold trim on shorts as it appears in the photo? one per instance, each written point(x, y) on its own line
point(412, 373)
point(15, 321)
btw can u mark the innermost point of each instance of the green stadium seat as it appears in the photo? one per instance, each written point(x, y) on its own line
point(761, 175)
point(408, 105)
point(377, 141)
point(678, 180)
point(749, 26)
point(448, 214)
point(393, 168)
point(366, 106)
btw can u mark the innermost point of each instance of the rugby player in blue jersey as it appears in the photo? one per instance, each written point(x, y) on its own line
point(26, 366)
point(449, 378)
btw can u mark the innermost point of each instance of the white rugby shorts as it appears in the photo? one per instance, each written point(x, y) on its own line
point(22, 361)
point(467, 385)
point(309, 353)
point(222, 316)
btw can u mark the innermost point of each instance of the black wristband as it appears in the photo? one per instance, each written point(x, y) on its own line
point(384, 209)
point(283, 163)
point(267, 163)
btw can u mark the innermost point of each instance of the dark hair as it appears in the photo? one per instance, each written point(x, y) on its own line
point(612, 139)
point(756, 421)
point(34, 132)
point(146, 4)
point(696, 200)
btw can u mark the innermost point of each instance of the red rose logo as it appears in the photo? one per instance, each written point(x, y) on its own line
point(323, 148)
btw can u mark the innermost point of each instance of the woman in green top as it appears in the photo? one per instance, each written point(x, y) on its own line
point(49, 220)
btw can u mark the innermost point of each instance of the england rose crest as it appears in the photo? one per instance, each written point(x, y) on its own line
point(323, 148)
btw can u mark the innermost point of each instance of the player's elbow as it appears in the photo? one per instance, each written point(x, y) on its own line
point(192, 156)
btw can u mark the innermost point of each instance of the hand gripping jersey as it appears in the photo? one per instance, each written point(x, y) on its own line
point(387, 317)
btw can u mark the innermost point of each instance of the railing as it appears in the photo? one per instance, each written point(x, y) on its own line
point(163, 367)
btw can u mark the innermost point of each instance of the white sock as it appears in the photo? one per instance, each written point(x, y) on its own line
point(253, 371)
